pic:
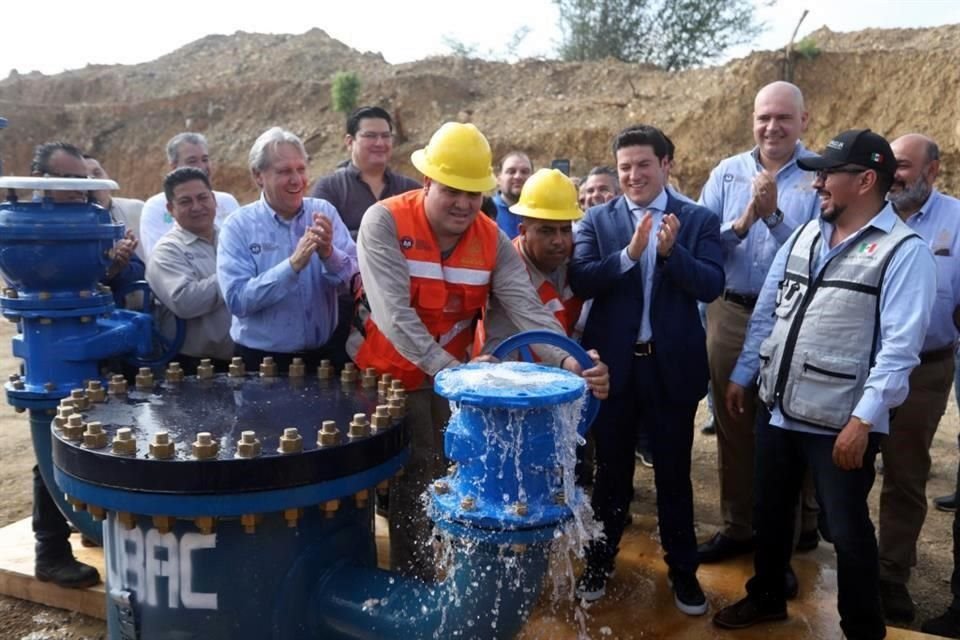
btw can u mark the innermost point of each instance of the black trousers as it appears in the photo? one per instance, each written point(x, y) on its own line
point(311, 358)
point(50, 528)
point(670, 429)
point(782, 458)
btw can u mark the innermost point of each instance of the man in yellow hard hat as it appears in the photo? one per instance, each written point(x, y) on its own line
point(547, 208)
point(429, 263)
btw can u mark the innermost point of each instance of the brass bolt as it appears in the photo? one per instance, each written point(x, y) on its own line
point(46, 321)
point(387, 378)
point(349, 373)
point(84, 293)
point(49, 386)
point(18, 385)
point(13, 377)
point(117, 386)
point(127, 520)
point(237, 368)
point(94, 437)
point(206, 524)
point(328, 435)
point(96, 392)
point(291, 441)
point(559, 498)
point(144, 379)
point(248, 446)
point(330, 508)
point(383, 387)
point(440, 487)
point(80, 400)
point(174, 372)
point(60, 421)
point(77, 504)
point(369, 380)
point(204, 447)
point(74, 428)
point(398, 394)
point(381, 418)
point(396, 384)
point(268, 368)
point(163, 524)
point(468, 503)
point(362, 498)
point(297, 369)
point(396, 407)
point(250, 521)
point(10, 292)
point(123, 443)
point(97, 513)
point(359, 426)
point(521, 509)
point(292, 516)
point(86, 319)
point(205, 369)
point(383, 488)
point(325, 370)
point(44, 295)
point(162, 446)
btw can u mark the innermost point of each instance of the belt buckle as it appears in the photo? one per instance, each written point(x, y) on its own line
point(642, 349)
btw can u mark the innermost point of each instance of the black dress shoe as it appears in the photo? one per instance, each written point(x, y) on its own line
point(68, 572)
point(808, 541)
point(896, 602)
point(946, 503)
point(946, 625)
point(791, 586)
point(721, 547)
point(747, 613)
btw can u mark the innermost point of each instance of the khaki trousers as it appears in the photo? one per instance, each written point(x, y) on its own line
point(411, 540)
point(726, 331)
point(906, 465)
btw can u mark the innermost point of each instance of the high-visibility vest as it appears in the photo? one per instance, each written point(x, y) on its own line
point(447, 294)
point(564, 305)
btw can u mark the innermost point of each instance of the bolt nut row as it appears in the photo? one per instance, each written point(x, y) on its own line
point(297, 369)
point(96, 392)
point(174, 372)
point(268, 368)
point(144, 378)
point(117, 385)
point(325, 370)
point(205, 369)
point(349, 373)
point(237, 369)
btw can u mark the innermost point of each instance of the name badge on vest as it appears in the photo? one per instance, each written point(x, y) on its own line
point(454, 304)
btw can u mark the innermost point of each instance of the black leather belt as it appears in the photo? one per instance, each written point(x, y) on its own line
point(741, 299)
point(936, 355)
point(643, 349)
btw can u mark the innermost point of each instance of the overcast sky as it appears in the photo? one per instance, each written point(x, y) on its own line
point(131, 31)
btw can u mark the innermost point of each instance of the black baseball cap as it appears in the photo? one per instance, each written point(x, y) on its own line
point(856, 146)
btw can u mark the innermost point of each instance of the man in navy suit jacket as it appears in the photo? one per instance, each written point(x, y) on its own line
point(646, 258)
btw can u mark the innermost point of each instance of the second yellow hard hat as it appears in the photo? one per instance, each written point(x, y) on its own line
point(548, 195)
point(458, 156)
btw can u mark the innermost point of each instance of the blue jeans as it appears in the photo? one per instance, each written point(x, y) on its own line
point(782, 457)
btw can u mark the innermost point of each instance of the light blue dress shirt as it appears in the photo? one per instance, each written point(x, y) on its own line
point(728, 191)
point(648, 259)
point(906, 299)
point(938, 223)
point(275, 308)
point(507, 220)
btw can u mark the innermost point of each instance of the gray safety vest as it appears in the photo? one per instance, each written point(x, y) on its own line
point(824, 340)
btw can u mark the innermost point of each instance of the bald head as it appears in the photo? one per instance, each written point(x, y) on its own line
point(918, 164)
point(779, 119)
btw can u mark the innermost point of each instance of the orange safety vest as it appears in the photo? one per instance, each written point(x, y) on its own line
point(565, 307)
point(447, 294)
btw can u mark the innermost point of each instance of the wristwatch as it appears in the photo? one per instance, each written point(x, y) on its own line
point(773, 219)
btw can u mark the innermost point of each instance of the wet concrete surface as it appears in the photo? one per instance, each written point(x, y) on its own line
point(639, 603)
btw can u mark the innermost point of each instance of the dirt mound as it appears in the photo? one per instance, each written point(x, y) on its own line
point(233, 87)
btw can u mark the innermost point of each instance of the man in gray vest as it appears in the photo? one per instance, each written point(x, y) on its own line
point(906, 453)
point(837, 329)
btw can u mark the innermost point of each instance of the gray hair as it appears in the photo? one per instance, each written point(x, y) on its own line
point(173, 147)
point(268, 141)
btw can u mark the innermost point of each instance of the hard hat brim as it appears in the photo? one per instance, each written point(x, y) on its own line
point(472, 185)
point(546, 214)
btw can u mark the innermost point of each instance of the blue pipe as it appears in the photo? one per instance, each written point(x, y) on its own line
point(488, 597)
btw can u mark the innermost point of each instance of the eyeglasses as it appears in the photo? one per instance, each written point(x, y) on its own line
point(823, 173)
point(386, 136)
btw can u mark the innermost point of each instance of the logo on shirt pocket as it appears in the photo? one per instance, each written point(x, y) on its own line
point(255, 248)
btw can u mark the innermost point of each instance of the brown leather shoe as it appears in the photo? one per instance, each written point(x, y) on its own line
point(746, 613)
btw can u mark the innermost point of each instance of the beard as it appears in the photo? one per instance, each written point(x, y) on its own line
point(911, 196)
point(832, 215)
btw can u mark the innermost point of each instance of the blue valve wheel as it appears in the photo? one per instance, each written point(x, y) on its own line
point(164, 349)
point(523, 340)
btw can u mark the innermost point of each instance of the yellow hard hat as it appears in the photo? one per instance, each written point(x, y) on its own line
point(548, 195)
point(459, 157)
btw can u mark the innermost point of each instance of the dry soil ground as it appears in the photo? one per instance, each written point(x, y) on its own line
point(21, 620)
